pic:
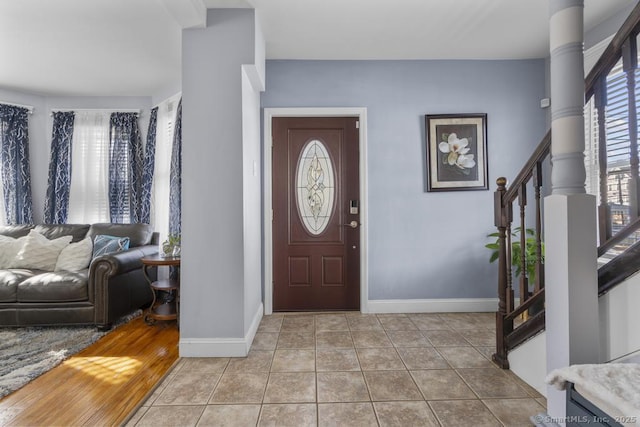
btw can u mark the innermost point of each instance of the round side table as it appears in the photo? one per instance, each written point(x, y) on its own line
point(162, 308)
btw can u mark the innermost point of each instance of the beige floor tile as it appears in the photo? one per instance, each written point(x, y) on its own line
point(465, 357)
point(334, 339)
point(256, 361)
point(331, 322)
point(459, 321)
point(530, 390)
point(442, 384)
point(202, 364)
point(288, 415)
point(492, 383)
point(299, 340)
point(364, 323)
point(342, 387)
point(422, 358)
point(367, 339)
point(189, 388)
point(379, 359)
point(479, 337)
point(159, 416)
point(291, 387)
point(428, 321)
point(408, 339)
point(487, 351)
point(391, 385)
point(230, 416)
point(461, 413)
point(240, 387)
point(265, 341)
point(271, 323)
point(337, 360)
point(397, 323)
point(514, 412)
point(294, 361)
point(298, 323)
point(405, 414)
point(445, 338)
point(484, 320)
point(346, 414)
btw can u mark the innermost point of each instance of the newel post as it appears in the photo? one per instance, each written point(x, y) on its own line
point(502, 219)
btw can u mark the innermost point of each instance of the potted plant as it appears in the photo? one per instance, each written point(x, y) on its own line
point(171, 246)
point(530, 256)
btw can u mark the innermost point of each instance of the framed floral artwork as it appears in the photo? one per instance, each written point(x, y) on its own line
point(456, 152)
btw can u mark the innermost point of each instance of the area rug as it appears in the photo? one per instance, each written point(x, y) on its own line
point(26, 353)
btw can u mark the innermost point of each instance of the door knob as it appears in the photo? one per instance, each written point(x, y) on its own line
point(352, 224)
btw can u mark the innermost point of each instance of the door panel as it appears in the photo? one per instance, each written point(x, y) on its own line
point(316, 256)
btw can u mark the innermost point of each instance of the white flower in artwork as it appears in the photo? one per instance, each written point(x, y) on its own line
point(465, 161)
point(456, 150)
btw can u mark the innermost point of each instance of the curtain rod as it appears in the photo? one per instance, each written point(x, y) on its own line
point(97, 110)
point(28, 107)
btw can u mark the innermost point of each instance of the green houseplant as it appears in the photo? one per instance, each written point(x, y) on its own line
point(171, 246)
point(530, 250)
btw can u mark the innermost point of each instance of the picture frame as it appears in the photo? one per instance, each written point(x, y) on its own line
point(456, 151)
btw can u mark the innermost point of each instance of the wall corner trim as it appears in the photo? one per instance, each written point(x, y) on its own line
point(221, 347)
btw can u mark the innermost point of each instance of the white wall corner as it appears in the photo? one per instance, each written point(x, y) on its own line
point(253, 74)
point(253, 327)
point(443, 305)
point(221, 347)
point(187, 13)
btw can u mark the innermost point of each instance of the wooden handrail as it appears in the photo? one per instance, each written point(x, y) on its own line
point(508, 334)
point(541, 152)
point(536, 297)
point(619, 237)
point(611, 55)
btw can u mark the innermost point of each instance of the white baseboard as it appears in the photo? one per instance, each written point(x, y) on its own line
point(444, 305)
point(221, 347)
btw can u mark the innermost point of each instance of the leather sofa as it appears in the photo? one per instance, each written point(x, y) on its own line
point(113, 285)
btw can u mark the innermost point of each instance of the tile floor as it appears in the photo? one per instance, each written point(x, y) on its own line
point(350, 369)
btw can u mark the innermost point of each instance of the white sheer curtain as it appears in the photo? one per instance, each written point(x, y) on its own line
point(88, 195)
point(160, 188)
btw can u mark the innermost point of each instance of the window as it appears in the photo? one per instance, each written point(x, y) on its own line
point(160, 188)
point(88, 195)
point(618, 147)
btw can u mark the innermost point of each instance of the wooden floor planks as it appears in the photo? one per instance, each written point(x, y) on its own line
point(99, 386)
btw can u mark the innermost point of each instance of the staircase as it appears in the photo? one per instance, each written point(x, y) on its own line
point(611, 92)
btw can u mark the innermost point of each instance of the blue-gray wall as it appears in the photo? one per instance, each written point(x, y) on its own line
point(424, 245)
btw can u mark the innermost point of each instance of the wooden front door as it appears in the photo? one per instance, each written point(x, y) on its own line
point(316, 214)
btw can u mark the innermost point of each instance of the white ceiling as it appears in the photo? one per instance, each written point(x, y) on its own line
point(132, 47)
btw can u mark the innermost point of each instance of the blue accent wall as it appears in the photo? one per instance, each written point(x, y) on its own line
point(424, 245)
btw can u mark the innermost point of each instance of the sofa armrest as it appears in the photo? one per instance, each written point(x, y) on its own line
point(116, 281)
point(121, 262)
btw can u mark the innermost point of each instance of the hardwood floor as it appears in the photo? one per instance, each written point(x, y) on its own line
point(102, 384)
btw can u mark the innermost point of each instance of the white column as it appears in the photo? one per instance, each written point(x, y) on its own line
point(572, 323)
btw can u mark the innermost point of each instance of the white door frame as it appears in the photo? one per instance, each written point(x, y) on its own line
point(269, 114)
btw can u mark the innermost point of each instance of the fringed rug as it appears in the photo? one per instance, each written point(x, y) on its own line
point(28, 352)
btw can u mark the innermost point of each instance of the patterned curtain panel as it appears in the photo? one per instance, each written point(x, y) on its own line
point(125, 168)
point(175, 180)
point(14, 165)
point(56, 204)
point(148, 167)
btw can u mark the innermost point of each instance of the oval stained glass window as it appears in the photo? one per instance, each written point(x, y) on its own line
point(315, 187)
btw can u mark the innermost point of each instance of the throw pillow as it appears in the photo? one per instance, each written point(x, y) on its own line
point(9, 248)
point(40, 253)
point(76, 256)
point(103, 244)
